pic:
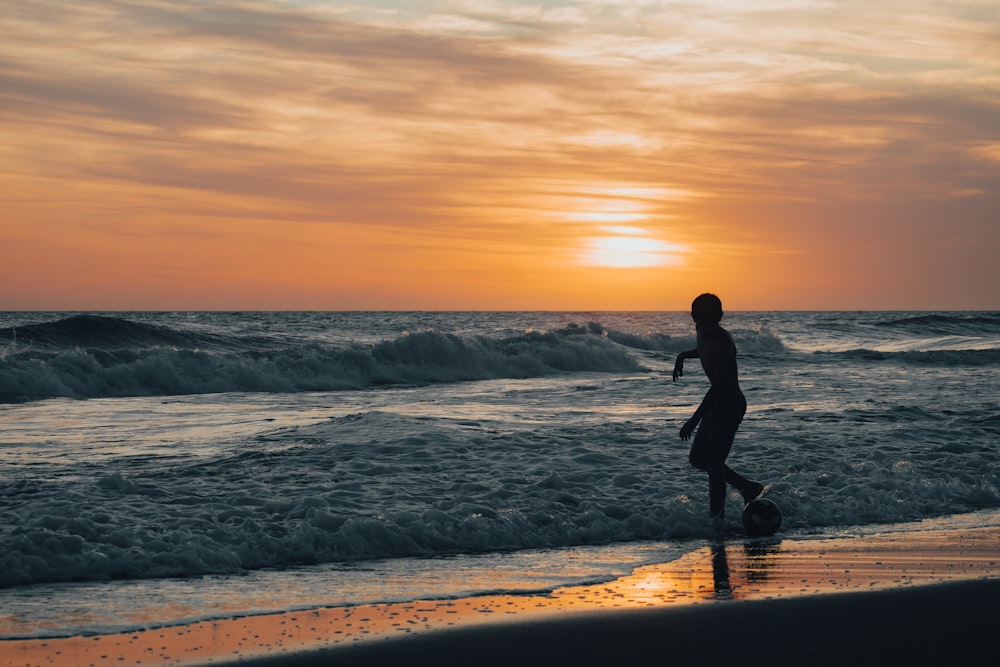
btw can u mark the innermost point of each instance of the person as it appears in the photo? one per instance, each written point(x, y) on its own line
point(720, 412)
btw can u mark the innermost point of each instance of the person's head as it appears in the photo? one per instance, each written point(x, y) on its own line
point(707, 309)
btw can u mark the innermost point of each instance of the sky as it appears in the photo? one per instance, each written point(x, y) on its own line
point(499, 154)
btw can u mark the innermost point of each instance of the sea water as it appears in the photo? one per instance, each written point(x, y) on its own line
point(159, 468)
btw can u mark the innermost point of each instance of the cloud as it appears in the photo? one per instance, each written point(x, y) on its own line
point(459, 123)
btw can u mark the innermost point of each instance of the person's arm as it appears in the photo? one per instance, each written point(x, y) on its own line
point(690, 425)
point(679, 364)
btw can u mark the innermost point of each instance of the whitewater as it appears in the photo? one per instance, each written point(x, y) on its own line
point(159, 468)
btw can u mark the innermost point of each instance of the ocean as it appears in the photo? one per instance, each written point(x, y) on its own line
point(161, 468)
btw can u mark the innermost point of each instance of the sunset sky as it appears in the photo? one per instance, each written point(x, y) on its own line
point(499, 154)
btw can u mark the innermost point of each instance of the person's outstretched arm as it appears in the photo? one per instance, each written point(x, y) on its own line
point(679, 364)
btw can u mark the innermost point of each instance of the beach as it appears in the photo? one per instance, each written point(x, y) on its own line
point(924, 596)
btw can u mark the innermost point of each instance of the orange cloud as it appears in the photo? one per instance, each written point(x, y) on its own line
point(312, 155)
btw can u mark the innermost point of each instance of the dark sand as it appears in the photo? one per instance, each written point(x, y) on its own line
point(928, 597)
point(944, 625)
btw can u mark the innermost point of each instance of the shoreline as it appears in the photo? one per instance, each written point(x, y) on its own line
point(923, 596)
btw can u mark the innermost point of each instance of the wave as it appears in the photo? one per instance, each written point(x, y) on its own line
point(92, 357)
point(945, 357)
point(361, 486)
point(195, 535)
point(937, 324)
point(94, 331)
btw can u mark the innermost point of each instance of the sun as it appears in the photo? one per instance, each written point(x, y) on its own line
point(630, 247)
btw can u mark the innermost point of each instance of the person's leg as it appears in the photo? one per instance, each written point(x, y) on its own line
point(702, 458)
point(729, 422)
point(698, 457)
point(717, 446)
point(747, 488)
point(717, 449)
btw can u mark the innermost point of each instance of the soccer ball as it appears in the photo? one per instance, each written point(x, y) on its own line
point(761, 517)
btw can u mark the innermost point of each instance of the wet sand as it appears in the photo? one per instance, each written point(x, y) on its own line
point(927, 597)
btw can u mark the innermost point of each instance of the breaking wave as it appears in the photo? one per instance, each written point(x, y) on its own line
point(94, 356)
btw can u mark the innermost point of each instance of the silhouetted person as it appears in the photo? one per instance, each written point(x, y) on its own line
point(721, 411)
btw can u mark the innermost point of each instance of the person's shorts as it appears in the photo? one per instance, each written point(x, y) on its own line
point(724, 417)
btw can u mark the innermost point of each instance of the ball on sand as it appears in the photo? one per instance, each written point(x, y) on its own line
point(761, 517)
